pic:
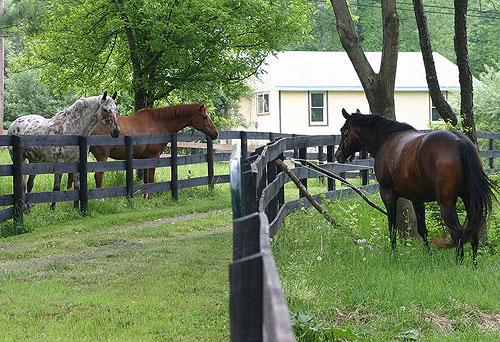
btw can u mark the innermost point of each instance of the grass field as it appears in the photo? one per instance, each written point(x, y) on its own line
point(157, 270)
point(334, 282)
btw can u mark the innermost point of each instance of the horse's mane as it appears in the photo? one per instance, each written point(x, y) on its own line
point(379, 123)
point(171, 112)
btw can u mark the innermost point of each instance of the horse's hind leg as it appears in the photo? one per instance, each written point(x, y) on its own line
point(390, 198)
point(31, 182)
point(419, 208)
point(57, 187)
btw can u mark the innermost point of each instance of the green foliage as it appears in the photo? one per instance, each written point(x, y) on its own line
point(487, 99)
point(25, 95)
point(151, 48)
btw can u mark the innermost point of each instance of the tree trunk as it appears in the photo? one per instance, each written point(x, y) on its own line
point(438, 100)
point(465, 75)
point(379, 88)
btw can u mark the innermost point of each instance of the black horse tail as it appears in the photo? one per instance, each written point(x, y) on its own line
point(478, 189)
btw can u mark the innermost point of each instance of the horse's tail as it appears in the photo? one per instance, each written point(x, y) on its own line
point(478, 191)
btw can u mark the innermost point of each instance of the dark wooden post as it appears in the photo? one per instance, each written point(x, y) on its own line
point(491, 147)
point(173, 167)
point(246, 299)
point(246, 281)
point(17, 173)
point(129, 166)
point(244, 146)
point(210, 163)
point(321, 159)
point(364, 173)
point(271, 175)
point(281, 193)
point(330, 159)
point(250, 181)
point(303, 155)
point(82, 169)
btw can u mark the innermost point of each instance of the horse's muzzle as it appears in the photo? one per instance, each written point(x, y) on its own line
point(340, 156)
point(213, 135)
point(115, 133)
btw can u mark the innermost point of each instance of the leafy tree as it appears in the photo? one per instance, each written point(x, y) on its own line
point(153, 49)
point(487, 99)
point(24, 95)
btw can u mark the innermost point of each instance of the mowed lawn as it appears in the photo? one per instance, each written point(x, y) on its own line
point(127, 272)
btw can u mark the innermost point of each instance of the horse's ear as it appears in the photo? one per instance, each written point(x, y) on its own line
point(358, 111)
point(114, 95)
point(201, 106)
point(104, 96)
point(345, 114)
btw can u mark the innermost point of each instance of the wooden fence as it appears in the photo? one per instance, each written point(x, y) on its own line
point(17, 170)
point(258, 307)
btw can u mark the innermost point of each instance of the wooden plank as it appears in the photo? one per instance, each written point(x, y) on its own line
point(6, 214)
point(488, 135)
point(245, 299)
point(50, 140)
point(490, 154)
point(6, 200)
point(106, 166)
point(49, 168)
point(5, 140)
point(53, 196)
point(119, 191)
point(5, 170)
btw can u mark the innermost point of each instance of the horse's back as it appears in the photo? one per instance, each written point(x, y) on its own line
point(27, 124)
point(425, 166)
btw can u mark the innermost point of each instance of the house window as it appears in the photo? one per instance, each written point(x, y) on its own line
point(262, 103)
point(435, 117)
point(317, 108)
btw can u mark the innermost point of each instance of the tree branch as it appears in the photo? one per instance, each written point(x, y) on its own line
point(438, 100)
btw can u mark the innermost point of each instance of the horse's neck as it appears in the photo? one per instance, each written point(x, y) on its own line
point(79, 118)
point(373, 140)
point(169, 122)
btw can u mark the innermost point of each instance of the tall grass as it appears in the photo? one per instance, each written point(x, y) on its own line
point(361, 286)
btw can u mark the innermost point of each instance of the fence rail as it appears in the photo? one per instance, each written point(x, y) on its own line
point(18, 198)
point(257, 303)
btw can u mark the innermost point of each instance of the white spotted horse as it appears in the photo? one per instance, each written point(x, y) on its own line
point(78, 119)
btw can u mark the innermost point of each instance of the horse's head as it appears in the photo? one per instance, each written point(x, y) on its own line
point(107, 114)
point(202, 122)
point(350, 141)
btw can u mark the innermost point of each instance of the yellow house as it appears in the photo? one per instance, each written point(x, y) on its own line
point(303, 92)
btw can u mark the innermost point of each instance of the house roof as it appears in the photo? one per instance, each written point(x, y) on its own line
point(333, 71)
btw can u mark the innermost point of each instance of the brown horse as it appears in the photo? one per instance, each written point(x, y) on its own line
point(423, 167)
point(152, 121)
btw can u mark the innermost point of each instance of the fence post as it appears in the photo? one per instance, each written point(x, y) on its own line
point(82, 169)
point(244, 146)
point(281, 192)
point(364, 173)
point(129, 166)
point(271, 175)
point(330, 159)
point(491, 147)
point(250, 181)
point(174, 185)
point(17, 173)
point(303, 155)
point(321, 159)
point(246, 281)
point(210, 162)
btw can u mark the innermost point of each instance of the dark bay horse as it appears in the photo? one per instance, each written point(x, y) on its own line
point(152, 121)
point(80, 119)
point(423, 167)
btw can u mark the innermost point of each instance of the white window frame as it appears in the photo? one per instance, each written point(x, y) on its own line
point(261, 110)
point(432, 107)
point(324, 122)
